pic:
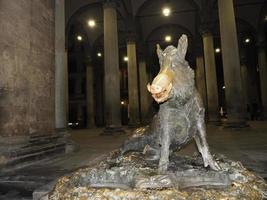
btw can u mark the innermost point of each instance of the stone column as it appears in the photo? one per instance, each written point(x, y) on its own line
point(27, 97)
point(134, 117)
point(111, 68)
point(201, 80)
point(99, 95)
point(78, 84)
point(61, 71)
point(145, 98)
point(211, 78)
point(231, 64)
point(245, 80)
point(244, 77)
point(80, 113)
point(90, 97)
point(262, 62)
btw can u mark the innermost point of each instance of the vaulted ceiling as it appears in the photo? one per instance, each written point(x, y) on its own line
point(144, 19)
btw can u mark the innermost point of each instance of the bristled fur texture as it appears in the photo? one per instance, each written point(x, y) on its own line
point(184, 79)
point(181, 115)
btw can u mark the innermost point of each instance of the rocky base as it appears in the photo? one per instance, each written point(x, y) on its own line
point(132, 177)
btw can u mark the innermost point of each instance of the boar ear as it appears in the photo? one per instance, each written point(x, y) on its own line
point(182, 47)
point(159, 51)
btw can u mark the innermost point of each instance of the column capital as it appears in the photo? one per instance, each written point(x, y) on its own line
point(243, 60)
point(261, 44)
point(141, 51)
point(205, 32)
point(89, 65)
point(131, 37)
point(242, 56)
point(110, 4)
point(199, 52)
point(206, 17)
point(198, 47)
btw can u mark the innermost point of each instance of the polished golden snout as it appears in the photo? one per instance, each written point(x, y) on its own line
point(161, 85)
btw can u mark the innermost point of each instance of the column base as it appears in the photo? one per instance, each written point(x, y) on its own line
point(235, 124)
point(113, 130)
point(134, 125)
point(62, 130)
point(90, 126)
point(215, 122)
point(263, 116)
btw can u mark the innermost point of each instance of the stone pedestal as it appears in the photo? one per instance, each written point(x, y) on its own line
point(90, 97)
point(111, 69)
point(201, 80)
point(27, 77)
point(134, 177)
point(263, 78)
point(211, 78)
point(61, 69)
point(145, 98)
point(134, 117)
point(231, 63)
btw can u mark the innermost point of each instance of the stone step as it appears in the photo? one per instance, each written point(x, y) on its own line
point(32, 149)
point(36, 155)
point(42, 140)
point(38, 138)
point(29, 150)
point(21, 187)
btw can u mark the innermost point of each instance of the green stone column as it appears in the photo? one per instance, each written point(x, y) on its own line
point(134, 116)
point(231, 64)
point(211, 78)
point(112, 104)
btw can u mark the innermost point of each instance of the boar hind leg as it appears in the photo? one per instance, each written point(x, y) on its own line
point(202, 145)
point(135, 144)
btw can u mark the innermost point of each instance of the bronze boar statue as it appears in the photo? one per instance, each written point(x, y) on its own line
point(181, 113)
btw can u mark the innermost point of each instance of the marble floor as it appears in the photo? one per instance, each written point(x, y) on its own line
point(248, 145)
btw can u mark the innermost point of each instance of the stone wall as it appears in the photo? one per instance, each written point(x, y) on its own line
point(27, 67)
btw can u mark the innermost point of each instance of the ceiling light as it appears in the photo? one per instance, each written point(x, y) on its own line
point(168, 38)
point(247, 40)
point(217, 50)
point(91, 23)
point(122, 102)
point(99, 54)
point(79, 38)
point(166, 11)
point(223, 87)
point(125, 58)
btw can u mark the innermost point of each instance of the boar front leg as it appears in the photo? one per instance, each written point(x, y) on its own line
point(202, 144)
point(165, 143)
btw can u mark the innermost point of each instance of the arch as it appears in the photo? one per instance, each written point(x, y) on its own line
point(146, 3)
point(85, 8)
point(166, 26)
point(263, 12)
point(80, 10)
point(250, 28)
point(262, 20)
point(72, 32)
